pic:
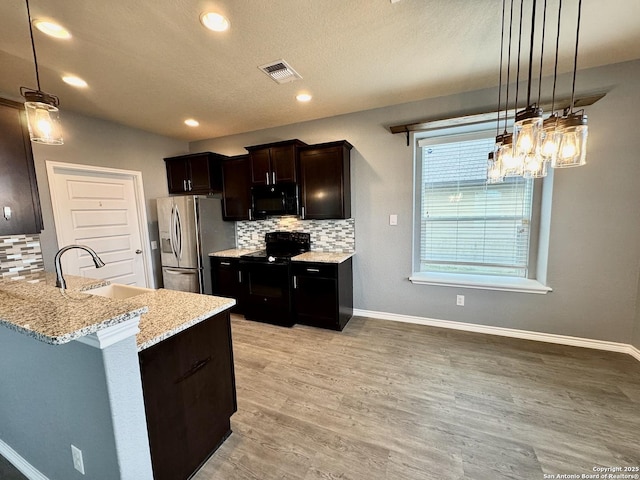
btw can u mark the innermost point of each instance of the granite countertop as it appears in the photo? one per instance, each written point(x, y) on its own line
point(35, 307)
point(323, 257)
point(170, 312)
point(233, 252)
point(312, 256)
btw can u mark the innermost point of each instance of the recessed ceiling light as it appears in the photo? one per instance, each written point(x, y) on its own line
point(214, 21)
point(52, 29)
point(74, 81)
point(303, 97)
point(191, 122)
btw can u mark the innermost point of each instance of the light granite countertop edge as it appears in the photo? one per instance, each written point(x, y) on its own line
point(76, 334)
point(312, 256)
point(170, 333)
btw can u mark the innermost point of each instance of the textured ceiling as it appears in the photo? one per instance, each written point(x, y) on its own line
point(150, 64)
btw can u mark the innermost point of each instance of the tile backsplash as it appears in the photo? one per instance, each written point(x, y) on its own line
point(20, 255)
point(326, 235)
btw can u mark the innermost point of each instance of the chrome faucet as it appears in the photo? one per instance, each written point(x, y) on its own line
point(60, 281)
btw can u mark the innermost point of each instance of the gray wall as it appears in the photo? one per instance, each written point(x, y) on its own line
point(55, 396)
point(91, 141)
point(595, 230)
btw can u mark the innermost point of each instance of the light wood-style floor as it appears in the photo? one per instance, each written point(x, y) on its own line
point(384, 400)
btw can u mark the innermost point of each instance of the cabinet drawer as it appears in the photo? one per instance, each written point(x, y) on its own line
point(329, 270)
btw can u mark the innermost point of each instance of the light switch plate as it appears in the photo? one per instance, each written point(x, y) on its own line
point(154, 245)
point(393, 219)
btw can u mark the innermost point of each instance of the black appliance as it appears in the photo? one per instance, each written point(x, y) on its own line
point(267, 275)
point(274, 200)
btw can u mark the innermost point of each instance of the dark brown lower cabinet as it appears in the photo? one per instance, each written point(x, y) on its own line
point(323, 293)
point(189, 391)
point(226, 278)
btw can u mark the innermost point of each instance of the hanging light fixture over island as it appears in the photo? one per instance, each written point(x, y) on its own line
point(42, 108)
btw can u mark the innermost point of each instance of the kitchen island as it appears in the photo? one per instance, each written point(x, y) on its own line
point(79, 369)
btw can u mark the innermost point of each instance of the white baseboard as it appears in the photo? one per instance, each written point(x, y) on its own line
point(20, 463)
point(505, 332)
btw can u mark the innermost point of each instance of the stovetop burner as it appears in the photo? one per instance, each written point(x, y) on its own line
point(281, 246)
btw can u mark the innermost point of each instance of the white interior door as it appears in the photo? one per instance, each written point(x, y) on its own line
point(100, 208)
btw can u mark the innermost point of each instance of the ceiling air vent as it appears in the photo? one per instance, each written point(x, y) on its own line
point(280, 71)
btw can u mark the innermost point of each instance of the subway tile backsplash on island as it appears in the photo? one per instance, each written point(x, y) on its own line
point(20, 255)
point(326, 235)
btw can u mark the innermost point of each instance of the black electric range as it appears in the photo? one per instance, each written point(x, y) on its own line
point(267, 275)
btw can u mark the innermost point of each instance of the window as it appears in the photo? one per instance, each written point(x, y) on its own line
point(468, 232)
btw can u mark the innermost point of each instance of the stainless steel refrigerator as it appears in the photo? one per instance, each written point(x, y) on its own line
point(191, 227)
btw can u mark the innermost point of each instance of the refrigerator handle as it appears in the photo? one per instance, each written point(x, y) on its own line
point(174, 272)
point(172, 241)
point(178, 233)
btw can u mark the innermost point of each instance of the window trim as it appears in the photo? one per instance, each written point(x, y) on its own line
point(481, 282)
point(539, 245)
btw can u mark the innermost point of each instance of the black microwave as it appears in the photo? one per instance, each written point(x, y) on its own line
point(274, 200)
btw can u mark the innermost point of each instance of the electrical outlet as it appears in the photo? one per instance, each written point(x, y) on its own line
point(460, 300)
point(154, 245)
point(78, 463)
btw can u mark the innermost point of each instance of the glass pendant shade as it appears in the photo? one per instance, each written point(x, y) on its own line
point(534, 167)
point(550, 139)
point(572, 150)
point(526, 132)
point(43, 118)
point(511, 165)
point(494, 170)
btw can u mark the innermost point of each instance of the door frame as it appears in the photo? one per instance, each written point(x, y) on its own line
point(53, 168)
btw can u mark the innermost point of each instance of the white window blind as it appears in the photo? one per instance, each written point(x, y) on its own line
point(469, 226)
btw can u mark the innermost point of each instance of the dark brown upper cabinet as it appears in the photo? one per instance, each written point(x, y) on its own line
point(197, 173)
point(236, 190)
point(19, 201)
point(325, 181)
point(274, 162)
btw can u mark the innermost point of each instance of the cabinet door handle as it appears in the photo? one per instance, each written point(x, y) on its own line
point(189, 183)
point(184, 185)
point(239, 276)
point(273, 176)
point(302, 213)
point(225, 263)
point(316, 270)
point(266, 174)
point(197, 366)
point(250, 215)
point(295, 281)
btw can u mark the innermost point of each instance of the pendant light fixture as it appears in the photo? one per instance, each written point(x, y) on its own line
point(573, 125)
point(528, 122)
point(502, 154)
point(535, 142)
point(42, 108)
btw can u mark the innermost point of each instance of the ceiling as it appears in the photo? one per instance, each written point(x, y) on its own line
point(150, 64)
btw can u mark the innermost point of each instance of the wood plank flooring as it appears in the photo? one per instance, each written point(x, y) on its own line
point(393, 401)
point(8, 471)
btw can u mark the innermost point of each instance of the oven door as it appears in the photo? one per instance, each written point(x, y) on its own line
point(268, 292)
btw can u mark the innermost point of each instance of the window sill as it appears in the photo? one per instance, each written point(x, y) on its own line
point(482, 282)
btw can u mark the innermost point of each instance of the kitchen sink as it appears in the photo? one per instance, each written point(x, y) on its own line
point(118, 291)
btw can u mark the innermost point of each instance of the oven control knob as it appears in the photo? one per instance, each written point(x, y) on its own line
point(271, 259)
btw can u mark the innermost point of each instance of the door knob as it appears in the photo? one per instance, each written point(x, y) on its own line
point(138, 251)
